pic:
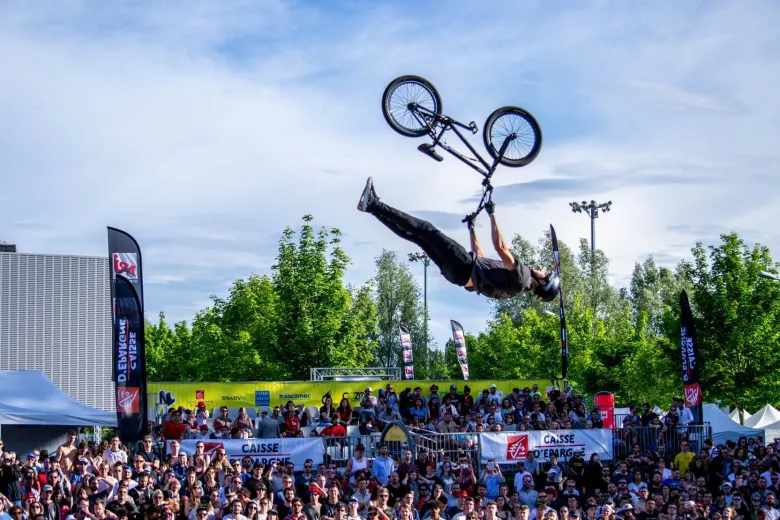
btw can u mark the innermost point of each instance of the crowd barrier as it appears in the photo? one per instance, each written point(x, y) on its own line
point(507, 448)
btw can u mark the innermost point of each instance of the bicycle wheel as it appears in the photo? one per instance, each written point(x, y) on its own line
point(513, 120)
point(404, 91)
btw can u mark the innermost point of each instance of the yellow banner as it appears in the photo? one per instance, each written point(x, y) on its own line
point(311, 393)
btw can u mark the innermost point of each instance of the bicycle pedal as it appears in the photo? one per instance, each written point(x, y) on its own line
point(429, 150)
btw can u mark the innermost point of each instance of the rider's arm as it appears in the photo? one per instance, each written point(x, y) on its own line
point(500, 245)
point(475, 248)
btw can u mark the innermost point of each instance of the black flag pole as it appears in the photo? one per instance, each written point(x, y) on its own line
point(691, 364)
point(564, 334)
point(128, 346)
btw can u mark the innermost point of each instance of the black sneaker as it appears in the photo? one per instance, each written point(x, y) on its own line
point(368, 196)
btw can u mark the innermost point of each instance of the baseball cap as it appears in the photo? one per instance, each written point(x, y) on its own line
point(453, 387)
point(628, 507)
point(493, 385)
point(31, 455)
point(85, 461)
point(28, 496)
point(201, 404)
point(48, 488)
point(353, 500)
point(369, 389)
point(203, 427)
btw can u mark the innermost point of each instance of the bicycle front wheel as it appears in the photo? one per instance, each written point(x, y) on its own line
point(401, 97)
point(506, 121)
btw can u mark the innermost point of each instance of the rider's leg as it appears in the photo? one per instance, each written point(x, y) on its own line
point(451, 257)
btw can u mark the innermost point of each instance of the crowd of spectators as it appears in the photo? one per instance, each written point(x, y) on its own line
point(84, 480)
point(451, 412)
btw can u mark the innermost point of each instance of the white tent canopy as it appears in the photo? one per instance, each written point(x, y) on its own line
point(724, 429)
point(734, 415)
point(772, 431)
point(765, 416)
point(28, 397)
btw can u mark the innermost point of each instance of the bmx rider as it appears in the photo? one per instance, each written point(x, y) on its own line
point(473, 271)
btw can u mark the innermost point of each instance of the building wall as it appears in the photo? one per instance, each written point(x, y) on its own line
point(55, 316)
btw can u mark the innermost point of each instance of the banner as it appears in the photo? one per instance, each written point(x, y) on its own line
point(127, 314)
point(308, 393)
point(406, 351)
point(564, 334)
point(511, 447)
point(295, 449)
point(690, 358)
point(460, 348)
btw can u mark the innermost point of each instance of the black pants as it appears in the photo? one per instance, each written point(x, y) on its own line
point(449, 256)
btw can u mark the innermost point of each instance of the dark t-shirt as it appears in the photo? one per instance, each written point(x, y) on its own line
point(492, 279)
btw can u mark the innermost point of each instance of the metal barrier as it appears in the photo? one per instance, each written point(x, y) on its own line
point(648, 438)
point(453, 444)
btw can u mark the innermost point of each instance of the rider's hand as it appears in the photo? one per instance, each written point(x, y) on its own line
point(490, 207)
point(470, 223)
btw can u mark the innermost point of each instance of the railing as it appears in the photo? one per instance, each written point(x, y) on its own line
point(669, 438)
point(339, 450)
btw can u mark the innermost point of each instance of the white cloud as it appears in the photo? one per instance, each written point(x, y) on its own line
point(205, 131)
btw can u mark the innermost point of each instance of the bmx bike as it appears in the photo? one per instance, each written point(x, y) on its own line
point(412, 107)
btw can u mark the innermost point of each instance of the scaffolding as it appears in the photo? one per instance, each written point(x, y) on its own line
point(356, 374)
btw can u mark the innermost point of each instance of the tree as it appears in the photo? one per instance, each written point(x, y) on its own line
point(165, 348)
point(317, 324)
point(274, 328)
point(738, 322)
point(397, 300)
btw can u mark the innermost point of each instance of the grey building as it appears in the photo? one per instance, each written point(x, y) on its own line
point(55, 316)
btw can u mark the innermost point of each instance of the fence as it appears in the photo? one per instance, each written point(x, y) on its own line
point(440, 446)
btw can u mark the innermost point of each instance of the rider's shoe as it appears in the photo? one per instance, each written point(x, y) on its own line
point(368, 196)
point(430, 151)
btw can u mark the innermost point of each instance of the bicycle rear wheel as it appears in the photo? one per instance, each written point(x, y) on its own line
point(403, 92)
point(513, 120)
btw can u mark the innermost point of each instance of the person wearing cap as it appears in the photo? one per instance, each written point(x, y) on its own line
point(352, 509)
point(494, 394)
point(203, 433)
point(201, 414)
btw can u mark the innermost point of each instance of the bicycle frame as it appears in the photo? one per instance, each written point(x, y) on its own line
point(447, 123)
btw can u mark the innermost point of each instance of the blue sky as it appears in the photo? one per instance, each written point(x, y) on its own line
point(204, 128)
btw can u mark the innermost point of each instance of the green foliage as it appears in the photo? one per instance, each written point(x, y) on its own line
point(398, 301)
point(277, 327)
point(301, 315)
point(738, 322)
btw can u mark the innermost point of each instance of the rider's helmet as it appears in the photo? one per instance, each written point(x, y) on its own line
point(547, 288)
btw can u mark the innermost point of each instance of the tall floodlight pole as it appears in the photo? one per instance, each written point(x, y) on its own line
point(422, 257)
point(769, 276)
point(592, 211)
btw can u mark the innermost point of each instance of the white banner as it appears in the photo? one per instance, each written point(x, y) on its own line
point(295, 450)
point(512, 447)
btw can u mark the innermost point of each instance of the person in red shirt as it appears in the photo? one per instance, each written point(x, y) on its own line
point(335, 429)
point(174, 429)
point(291, 419)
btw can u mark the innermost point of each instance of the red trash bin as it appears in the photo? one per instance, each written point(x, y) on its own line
point(605, 402)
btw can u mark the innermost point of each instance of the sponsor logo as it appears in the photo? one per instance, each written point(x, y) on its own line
point(692, 395)
point(406, 340)
point(232, 398)
point(125, 265)
point(295, 397)
point(516, 447)
point(128, 399)
point(126, 351)
point(262, 398)
point(210, 448)
point(200, 394)
point(409, 371)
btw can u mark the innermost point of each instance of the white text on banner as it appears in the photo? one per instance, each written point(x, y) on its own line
point(511, 447)
point(294, 450)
